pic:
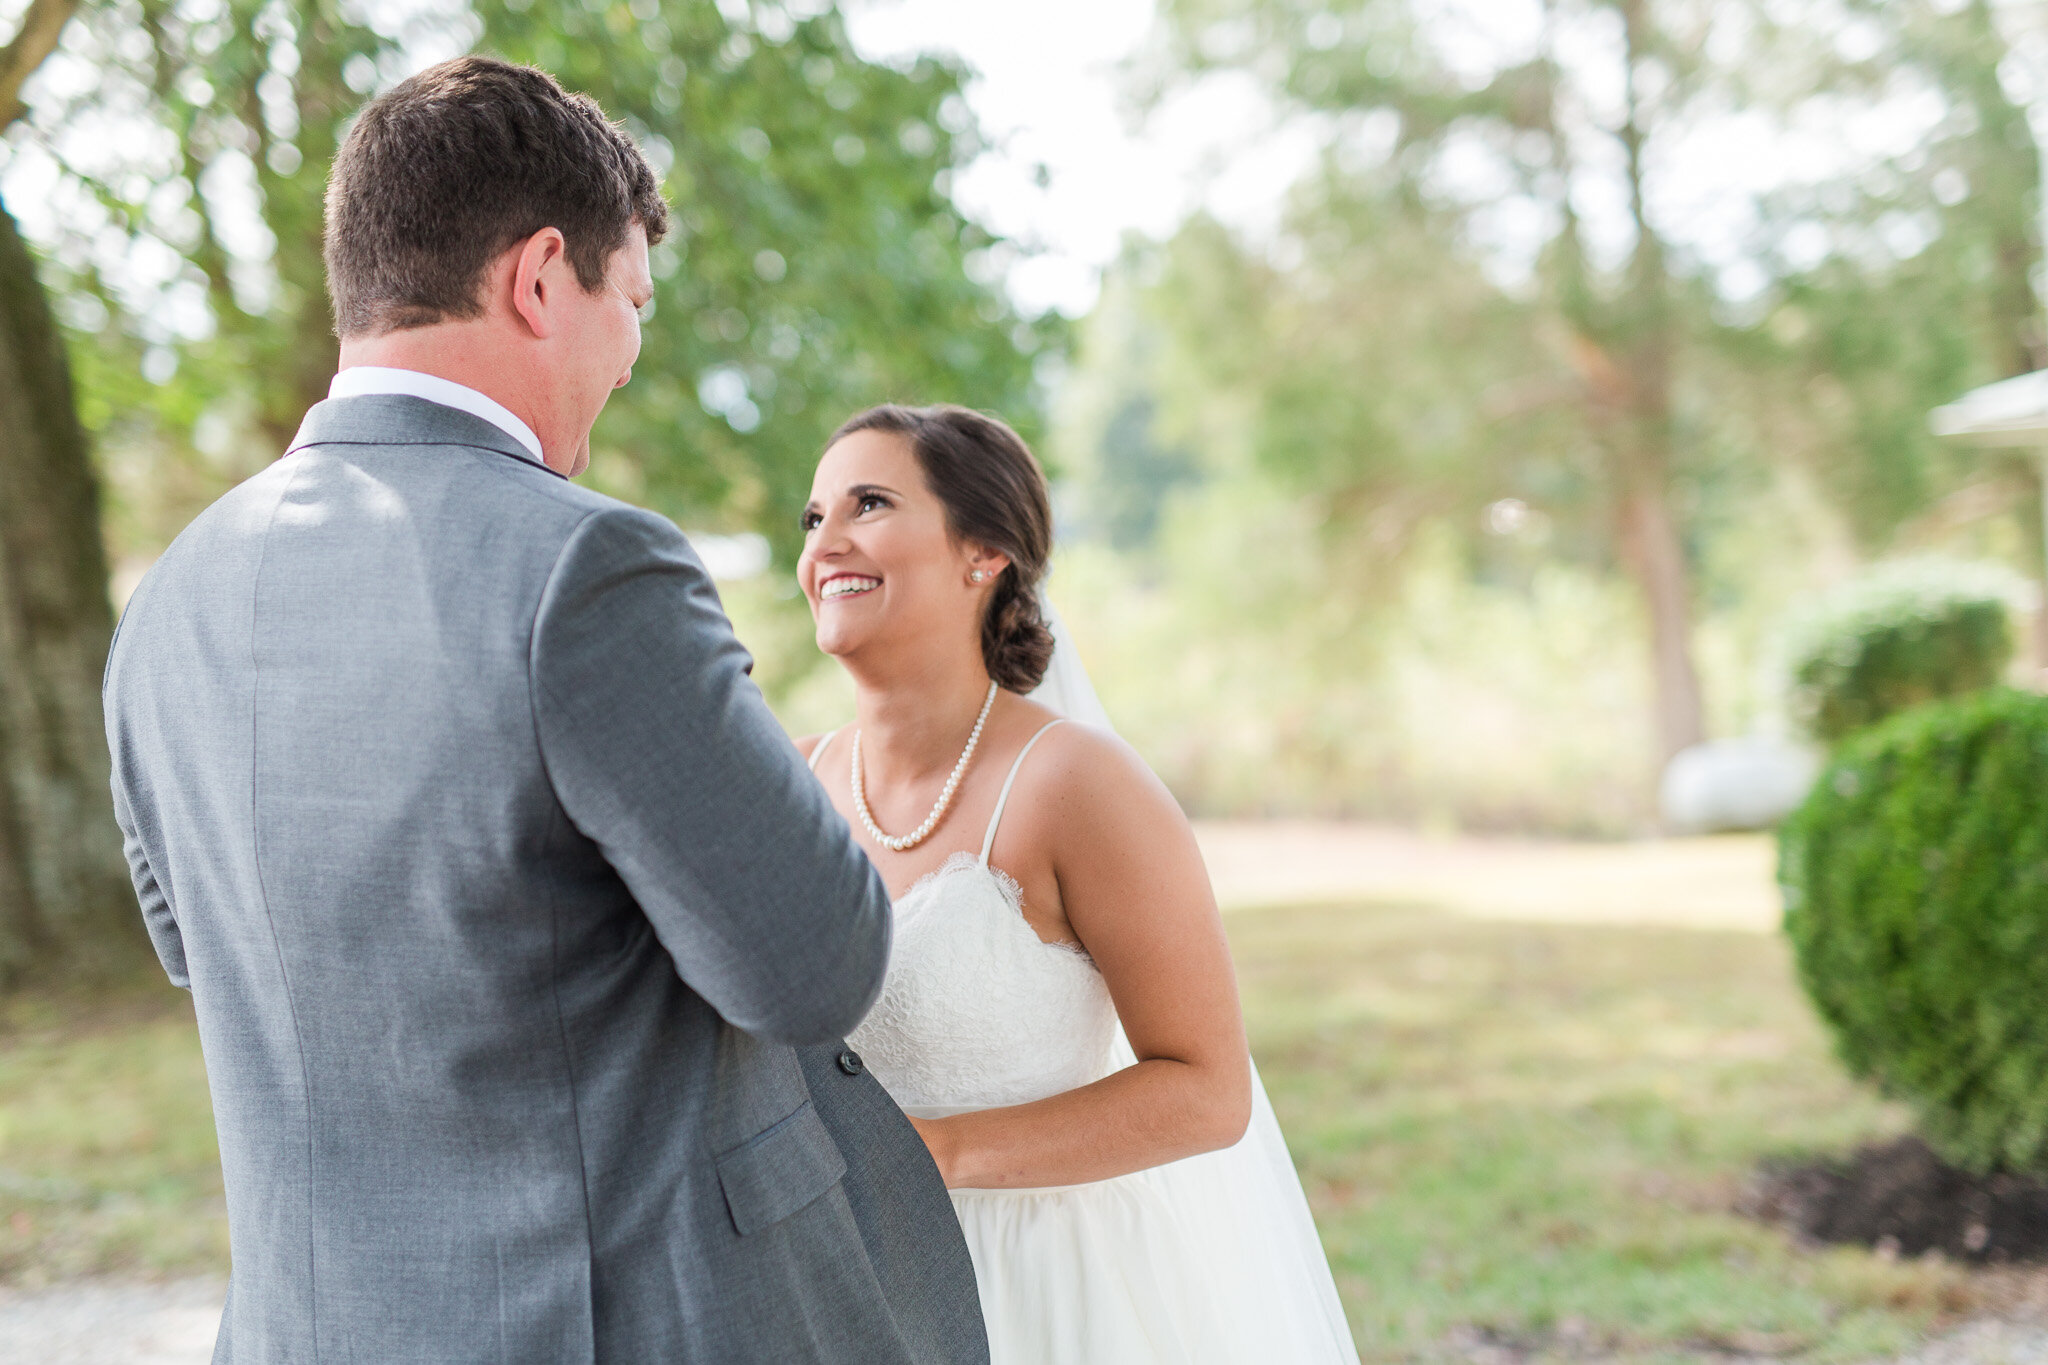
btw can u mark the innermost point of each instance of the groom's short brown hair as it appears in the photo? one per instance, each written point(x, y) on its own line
point(447, 169)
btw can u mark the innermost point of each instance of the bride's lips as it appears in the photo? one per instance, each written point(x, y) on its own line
point(840, 586)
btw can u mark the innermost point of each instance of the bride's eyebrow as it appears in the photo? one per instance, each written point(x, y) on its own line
point(862, 490)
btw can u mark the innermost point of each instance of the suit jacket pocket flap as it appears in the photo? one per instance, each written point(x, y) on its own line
point(776, 1172)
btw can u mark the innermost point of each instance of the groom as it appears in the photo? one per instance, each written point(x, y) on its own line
point(519, 937)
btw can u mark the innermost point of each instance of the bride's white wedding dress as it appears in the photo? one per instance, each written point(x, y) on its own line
point(1212, 1259)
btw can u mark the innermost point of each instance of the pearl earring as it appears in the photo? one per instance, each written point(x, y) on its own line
point(978, 576)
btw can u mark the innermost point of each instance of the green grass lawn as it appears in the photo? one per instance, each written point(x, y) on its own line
point(1513, 1134)
point(1532, 1136)
point(107, 1156)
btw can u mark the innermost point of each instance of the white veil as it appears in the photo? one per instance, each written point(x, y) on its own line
point(1066, 687)
point(1243, 1205)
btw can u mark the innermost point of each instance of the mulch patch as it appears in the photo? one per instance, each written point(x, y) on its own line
point(1901, 1199)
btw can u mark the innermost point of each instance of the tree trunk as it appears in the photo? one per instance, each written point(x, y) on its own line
point(1649, 539)
point(64, 891)
point(1655, 554)
point(1648, 531)
point(301, 356)
point(1628, 406)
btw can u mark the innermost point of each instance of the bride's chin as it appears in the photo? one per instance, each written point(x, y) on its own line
point(836, 643)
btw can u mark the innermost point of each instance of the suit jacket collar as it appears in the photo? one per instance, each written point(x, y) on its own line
point(396, 419)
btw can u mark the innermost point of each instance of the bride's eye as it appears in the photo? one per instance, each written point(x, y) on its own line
point(873, 500)
point(809, 521)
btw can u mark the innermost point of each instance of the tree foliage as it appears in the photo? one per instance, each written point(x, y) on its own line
point(817, 264)
point(1907, 279)
point(1486, 316)
point(1584, 105)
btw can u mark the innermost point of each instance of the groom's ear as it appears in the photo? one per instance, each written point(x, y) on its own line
point(540, 270)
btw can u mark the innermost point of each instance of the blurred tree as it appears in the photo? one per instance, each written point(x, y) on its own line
point(257, 97)
point(1365, 427)
point(1373, 371)
point(1550, 129)
point(1138, 474)
point(1873, 295)
point(65, 900)
point(816, 264)
point(1911, 280)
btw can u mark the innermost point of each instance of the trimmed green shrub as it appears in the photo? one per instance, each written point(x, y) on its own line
point(1911, 631)
point(1916, 899)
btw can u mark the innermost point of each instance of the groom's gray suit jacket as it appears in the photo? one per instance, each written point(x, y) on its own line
point(506, 910)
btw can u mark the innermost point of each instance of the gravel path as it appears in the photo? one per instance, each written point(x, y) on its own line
point(1986, 1342)
point(1723, 882)
point(110, 1322)
point(116, 1323)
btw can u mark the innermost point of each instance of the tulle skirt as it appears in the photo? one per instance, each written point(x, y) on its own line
point(1209, 1261)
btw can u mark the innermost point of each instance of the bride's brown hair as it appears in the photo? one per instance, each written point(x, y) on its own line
point(994, 494)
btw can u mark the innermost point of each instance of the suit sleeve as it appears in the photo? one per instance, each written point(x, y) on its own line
point(662, 751)
point(157, 915)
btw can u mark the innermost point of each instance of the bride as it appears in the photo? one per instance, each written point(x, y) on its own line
point(1060, 1017)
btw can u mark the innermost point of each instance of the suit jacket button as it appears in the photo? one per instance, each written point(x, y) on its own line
point(850, 1062)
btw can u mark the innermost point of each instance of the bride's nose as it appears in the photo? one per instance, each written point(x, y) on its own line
point(829, 538)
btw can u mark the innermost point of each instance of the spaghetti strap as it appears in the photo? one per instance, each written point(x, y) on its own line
point(988, 842)
point(818, 749)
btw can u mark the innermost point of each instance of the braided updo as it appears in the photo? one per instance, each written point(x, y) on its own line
point(994, 494)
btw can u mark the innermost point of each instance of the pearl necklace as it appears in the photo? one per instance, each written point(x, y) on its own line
point(897, 843)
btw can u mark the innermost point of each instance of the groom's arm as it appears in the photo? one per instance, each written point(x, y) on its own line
point(157, 915)
point(662, 751)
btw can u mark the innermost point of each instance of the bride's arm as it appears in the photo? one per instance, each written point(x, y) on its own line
point(1133, 888)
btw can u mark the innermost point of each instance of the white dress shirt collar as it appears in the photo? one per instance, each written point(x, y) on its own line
point(359, 381)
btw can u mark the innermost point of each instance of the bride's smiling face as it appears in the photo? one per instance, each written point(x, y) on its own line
point(880, 565)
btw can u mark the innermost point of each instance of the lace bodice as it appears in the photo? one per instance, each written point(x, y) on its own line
point(976, 1009)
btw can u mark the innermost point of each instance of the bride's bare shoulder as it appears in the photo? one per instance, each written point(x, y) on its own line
point(1086, 774)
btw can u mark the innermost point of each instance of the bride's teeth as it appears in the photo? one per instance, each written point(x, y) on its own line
point(843, 587)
